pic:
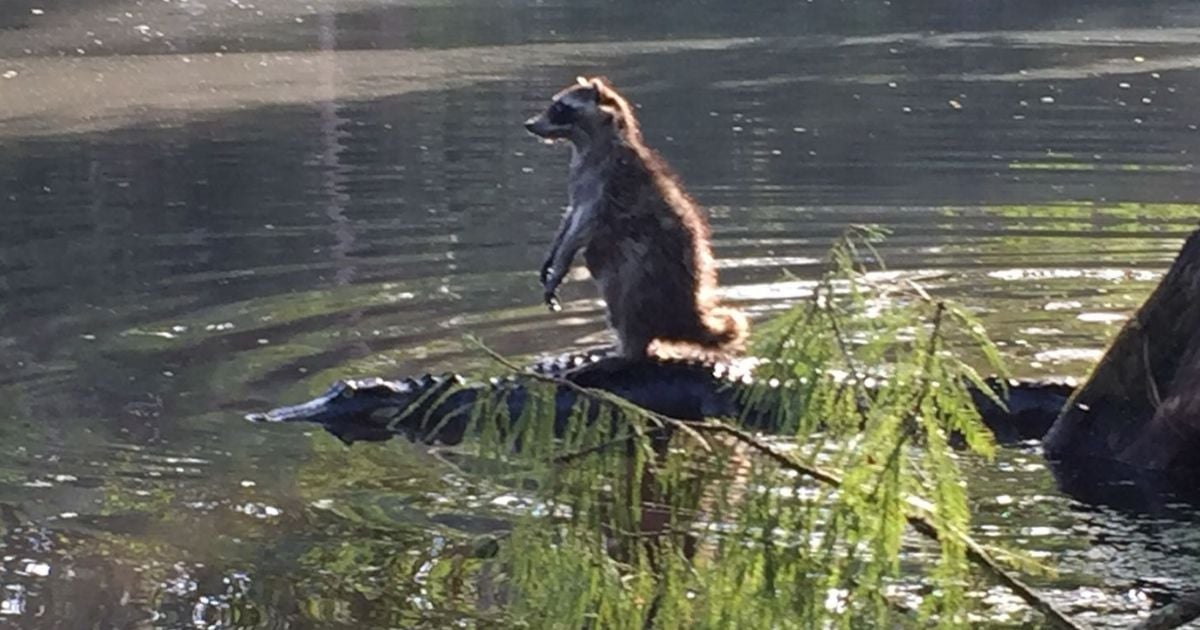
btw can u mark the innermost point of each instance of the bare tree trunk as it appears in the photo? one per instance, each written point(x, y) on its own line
point(1141, 404)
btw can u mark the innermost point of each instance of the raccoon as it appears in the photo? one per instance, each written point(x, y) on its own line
point(646, 242)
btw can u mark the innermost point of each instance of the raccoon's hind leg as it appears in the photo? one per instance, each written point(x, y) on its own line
point(633, 346)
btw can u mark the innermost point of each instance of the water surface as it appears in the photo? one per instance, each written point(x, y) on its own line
point(209, 207)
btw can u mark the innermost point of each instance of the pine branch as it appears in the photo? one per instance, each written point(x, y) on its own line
point(925, 383)
point(922, 524)
point(847, 356)
point(975, 552)
point(571, 456)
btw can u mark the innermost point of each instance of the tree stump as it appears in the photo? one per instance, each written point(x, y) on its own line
point(1141, 404)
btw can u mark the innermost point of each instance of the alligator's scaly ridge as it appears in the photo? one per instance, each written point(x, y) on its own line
point(437, 408)
point(561, 364)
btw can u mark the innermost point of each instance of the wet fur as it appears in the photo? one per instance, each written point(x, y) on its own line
point(647, 243)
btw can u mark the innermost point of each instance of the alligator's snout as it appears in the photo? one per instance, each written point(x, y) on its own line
point(309, 411)
point(363, 409)
point(316, 410)
point(279, 414)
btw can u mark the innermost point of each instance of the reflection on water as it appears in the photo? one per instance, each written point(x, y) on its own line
point(206, 207)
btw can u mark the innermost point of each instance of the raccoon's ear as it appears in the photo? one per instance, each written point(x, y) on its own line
point(592, 86)
point(600, 84)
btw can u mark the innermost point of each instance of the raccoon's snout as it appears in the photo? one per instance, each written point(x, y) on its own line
point(542, 127)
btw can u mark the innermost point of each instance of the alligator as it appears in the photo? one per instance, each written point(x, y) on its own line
point(438, 408)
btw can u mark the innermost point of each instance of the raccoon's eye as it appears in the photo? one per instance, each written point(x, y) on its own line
point(560, 114)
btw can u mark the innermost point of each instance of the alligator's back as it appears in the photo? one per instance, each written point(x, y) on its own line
point(686, 390)
point(439, 408)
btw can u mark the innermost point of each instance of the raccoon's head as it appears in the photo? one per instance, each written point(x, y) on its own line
point(582, 112)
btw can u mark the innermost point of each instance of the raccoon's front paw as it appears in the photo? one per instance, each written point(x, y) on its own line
point(550, 296)
point(550, 280)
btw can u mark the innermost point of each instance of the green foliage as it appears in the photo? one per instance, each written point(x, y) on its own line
point(642, 521)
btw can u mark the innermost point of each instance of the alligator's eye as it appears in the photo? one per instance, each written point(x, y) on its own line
point(348, 393)
point(561, 114)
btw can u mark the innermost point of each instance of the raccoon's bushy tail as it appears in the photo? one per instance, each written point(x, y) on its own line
point(722, 337)
point(727, 329)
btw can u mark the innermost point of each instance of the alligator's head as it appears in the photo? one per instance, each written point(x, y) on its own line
point(371, 409)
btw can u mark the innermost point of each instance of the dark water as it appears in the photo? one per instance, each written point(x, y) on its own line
point(208, 207)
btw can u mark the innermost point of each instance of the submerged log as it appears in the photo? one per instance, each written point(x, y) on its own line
point(1141, 404)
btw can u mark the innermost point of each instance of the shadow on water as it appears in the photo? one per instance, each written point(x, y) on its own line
point(184, 236)
point(1122, 487)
